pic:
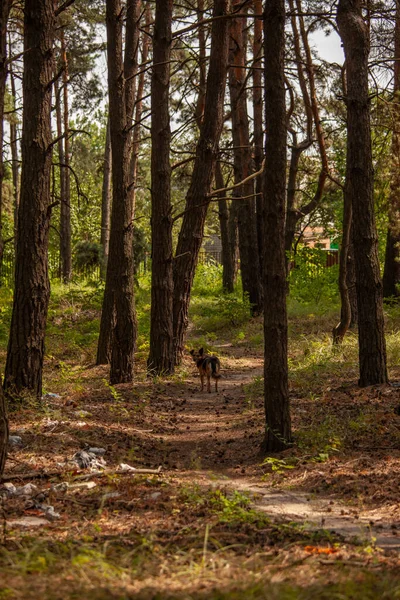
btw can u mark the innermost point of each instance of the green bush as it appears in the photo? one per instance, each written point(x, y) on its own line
point(311, 281)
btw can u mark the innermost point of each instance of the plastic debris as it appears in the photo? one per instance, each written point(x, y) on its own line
point(85, 485)
point(15, 440)
point(60, 487)
point(51, 396)
point(28, 522)
point(125, 467)
point(30, 489)
point(50, 513)
point(86, 460)
point(8, 489)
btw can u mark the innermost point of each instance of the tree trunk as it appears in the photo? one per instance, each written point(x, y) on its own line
point(197, 200)
point(246, 214)
point(61, 157)
point(106, 214)
point(32, 290)
point(359, 188)
point(4, 432)
point(391, 273)
point(227, 257)
point(276, 395)
point(161, 359)
point(258, 123)
point(139, 103)
point(351, 283)
point(341, 328)
point(201, 97)
point(4, 13)
point(119, 289)
point(65, 207)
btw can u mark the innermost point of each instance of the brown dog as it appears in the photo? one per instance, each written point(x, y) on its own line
point(208, 366)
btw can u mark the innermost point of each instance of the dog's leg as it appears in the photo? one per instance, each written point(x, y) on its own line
point(202, 380)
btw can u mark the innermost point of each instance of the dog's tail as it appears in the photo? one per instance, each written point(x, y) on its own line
point(215, 374)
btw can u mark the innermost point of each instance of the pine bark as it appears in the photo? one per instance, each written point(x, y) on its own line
point(243, 195)
point(106, 208)
point(391, 272)
point(118, 305)
point(197, 198)
point(161, 358)
point(65, 207)
point(228, 258)
point(4, 13)
point(258, 127)
point(359, 187)
point(276, 395)
point(25, 354)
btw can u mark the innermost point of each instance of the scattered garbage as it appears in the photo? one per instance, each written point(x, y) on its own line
point(85, 485)
point(60, 487)
point(15, 440)
point(50, 513)
point(28, 522)
point(28, 490)
point(86, 460)
point(125, 467)
point(50, 396)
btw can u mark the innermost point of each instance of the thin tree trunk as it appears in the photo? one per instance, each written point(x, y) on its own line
point(61, 157)
point(341, 328)
point(201, 96)
point(359, 188)
point(14, 155)
point(258, 122)
point(65, 206)
point(139, 103)
point(246, 214)
point(192, 229)
point(227, 257)
point(105, 215)
point(391, 273)
point(276, 394)
point(161, 358)
point(25, 354)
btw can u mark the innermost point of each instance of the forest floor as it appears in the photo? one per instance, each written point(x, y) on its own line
point(211, 518)
point(216, 522)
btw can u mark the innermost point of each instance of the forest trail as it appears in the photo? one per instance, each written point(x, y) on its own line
point(219, 435)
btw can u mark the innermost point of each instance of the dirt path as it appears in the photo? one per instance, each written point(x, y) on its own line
point(219, 435)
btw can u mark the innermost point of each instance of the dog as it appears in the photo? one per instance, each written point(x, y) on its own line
point(208, 366)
